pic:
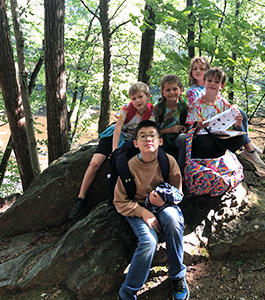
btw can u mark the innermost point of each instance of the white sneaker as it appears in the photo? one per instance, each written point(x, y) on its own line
point(253, 158)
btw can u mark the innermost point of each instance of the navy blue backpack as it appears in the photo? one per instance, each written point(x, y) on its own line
point(119, 167)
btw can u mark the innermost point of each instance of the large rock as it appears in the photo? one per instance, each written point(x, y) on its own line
point(48, 200)
point(40, 245)
point(90, 258)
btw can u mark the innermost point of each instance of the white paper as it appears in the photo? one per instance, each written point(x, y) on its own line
point(219, 123)
point(222, 121)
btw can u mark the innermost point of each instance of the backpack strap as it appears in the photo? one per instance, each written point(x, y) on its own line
point(161, 108)
point(119, 167)
point(132, 112)
point(183, 107)
point(163, 163)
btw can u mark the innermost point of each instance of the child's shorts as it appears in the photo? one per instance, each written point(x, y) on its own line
point(105, 146)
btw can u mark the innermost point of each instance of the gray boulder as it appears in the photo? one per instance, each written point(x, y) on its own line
point(40, 245)
point(48, 200)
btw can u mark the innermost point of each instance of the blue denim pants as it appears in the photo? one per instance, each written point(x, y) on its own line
point(244, 126)
point(170, 220)
point(178, 143)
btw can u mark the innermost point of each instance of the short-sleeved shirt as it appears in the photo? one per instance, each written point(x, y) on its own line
point(206, 110)
point(195, 92)
point(171, 117)
point(129, 128)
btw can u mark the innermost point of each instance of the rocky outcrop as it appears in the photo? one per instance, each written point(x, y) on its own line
point(40, 245)
point(48, 200)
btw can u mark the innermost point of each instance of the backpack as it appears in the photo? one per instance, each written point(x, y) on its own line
point(213, 176)
point(119, 167)
point(132, 112)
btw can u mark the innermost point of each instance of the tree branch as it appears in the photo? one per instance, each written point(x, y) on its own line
point(116, 28)
point(91, 11)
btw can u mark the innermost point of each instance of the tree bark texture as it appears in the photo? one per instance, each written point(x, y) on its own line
point(107, 64)
point(232, 69)
point(147, 48)
point(23, 80)
point(191, 49)
point(5, 159)
point(57, 124)
point(13, 102)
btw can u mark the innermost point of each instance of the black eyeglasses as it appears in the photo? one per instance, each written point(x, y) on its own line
point(143, 136)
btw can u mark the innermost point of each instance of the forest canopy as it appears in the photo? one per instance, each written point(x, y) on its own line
point(102, 49)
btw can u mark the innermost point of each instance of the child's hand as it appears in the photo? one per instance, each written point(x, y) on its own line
point(238, 122)
point(155, 199)
point(150, 220)
point(201, 126)
point(178, 129)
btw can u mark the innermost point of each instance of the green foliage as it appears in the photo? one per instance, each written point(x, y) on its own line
point(232, 40)
point(11, 183)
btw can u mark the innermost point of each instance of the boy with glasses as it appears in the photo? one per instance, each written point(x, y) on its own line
point(147, 175)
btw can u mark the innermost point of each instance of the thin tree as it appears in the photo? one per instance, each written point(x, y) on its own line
point(191, 34)
point(13, 102)
point(57, 123)
point(106, 32)
point(147, 46)
point(23, 80)
point(234, 57)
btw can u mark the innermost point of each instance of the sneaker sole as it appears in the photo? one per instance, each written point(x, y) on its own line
point(187, 298)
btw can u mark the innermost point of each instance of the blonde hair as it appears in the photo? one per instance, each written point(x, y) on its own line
point(215, 73)
point(200, 60)
point(138, 87)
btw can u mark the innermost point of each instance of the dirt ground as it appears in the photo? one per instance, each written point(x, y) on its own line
point(240, 277)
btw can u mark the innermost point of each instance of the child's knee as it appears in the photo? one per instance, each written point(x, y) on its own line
point(95, 164)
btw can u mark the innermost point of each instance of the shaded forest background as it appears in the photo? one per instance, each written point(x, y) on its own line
point(66, 57)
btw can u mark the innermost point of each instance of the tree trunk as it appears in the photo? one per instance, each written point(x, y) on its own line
point(232, 71)
point(13, 101)
point(107, 64)
point(5, 160)
point(147, 48)
point(57, 124)
point(35, 74)
point(191, 49)
point(23, 79)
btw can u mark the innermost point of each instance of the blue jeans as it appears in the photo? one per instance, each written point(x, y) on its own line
point(244, 126)
point(179, 144)
point(170, 220)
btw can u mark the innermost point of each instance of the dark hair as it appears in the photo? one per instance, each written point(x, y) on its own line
point(147, 123)
point(171, 78)
point(216, 73)
point(200, 60)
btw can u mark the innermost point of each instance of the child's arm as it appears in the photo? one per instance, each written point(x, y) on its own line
point(127, 207)
point(117, 134)
point(174, 129)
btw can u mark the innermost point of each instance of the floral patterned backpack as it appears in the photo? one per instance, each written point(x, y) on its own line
point(212, 176)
